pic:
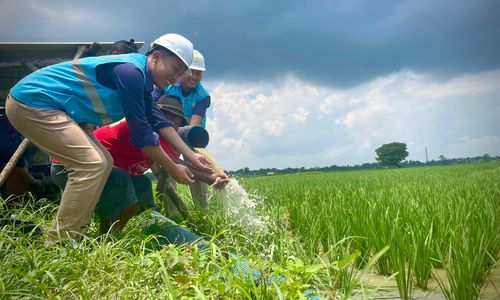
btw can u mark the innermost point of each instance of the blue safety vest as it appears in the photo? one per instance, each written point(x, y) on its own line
point(72, 87)
point(189, 102)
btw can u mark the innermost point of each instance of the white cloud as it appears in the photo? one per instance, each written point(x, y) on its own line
point(469, 84)
point(333, 101)
point(370, 115)
point(300, 115)
point(274, 127)
point(366, 145)
point(473, 146)
point(334, 152)
point(291, 123)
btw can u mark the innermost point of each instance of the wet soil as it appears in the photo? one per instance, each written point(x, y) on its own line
point(381, 287)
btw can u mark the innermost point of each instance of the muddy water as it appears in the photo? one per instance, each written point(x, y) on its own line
point(381, 287)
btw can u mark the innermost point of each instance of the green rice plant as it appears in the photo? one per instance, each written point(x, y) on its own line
point(421, 258)
point(345, 273)
point(402, 262)
point(471, 254)
point(426, 204)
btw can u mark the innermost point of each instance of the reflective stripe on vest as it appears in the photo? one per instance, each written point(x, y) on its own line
point(91, 91)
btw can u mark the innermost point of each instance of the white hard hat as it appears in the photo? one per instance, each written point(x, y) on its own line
point(178, 44)
point(198, 61)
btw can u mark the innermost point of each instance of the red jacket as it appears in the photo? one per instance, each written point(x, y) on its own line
point(116, 138)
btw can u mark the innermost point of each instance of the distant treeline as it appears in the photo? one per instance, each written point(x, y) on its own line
point(365, 166)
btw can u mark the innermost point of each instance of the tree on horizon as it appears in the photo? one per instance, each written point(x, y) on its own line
point(391, 154)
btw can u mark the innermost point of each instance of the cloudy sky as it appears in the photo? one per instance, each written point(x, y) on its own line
point(314, 83)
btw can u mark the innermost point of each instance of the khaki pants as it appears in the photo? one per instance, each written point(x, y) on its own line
point(87, 161)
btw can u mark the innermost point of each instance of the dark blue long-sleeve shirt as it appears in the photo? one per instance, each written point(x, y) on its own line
point(143, 116)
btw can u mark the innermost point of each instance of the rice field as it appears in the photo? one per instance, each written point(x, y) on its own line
point(438, 218)
point(321, 232)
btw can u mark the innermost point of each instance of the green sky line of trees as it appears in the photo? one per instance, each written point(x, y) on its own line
point(387, 156)
point(365, 166)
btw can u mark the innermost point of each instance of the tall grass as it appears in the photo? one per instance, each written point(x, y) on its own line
point(132, 265)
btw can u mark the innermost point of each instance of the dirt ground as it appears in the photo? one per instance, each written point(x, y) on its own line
point(381, 287)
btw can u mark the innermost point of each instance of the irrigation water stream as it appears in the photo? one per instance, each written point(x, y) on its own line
point(241, 207)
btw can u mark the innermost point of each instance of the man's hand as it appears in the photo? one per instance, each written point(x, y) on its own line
point(221, 181)
point(181, 174)
point(200, 162)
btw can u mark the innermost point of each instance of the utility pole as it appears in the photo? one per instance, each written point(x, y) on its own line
point(426, 156)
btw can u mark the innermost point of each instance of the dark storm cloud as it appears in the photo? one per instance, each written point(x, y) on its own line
point(340, 43)
point(347, 42)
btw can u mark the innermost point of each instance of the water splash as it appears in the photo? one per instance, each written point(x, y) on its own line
point(241, 206)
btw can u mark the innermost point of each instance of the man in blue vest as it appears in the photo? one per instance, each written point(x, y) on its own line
point(193, 94)
point(48, 105)
point(195, 100)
